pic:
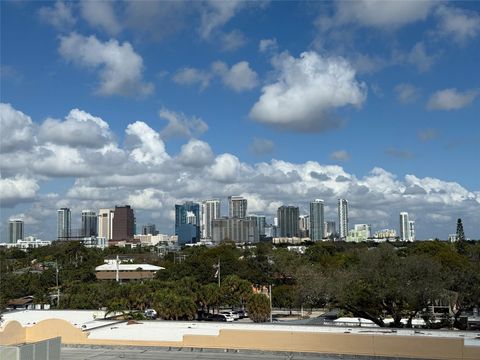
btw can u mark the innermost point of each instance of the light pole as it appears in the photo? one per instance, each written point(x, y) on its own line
point(270, 291)
point(58, 287)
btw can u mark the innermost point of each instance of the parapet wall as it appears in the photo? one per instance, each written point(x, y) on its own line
point(269, 340)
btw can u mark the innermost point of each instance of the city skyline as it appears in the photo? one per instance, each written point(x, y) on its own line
point(219, 104)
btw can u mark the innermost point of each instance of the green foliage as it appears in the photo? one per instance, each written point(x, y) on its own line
point(258, 307)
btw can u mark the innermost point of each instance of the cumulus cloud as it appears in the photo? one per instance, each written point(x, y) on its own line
point(418, 56)
point(232, 40)
point(101, 14)
point(192, 76)
point(148, 147)
point(306, 91)
point(261, 146)
point(451, 99)
point(340, 155)
point(225, 168)
point(459, 24)
point(216, 14)
point(17, 189)
point(78, 129)
point(266, 45)
point(406, 93)
point(240, 77)
point(59, 15)
point(180, 125)
point(119, 66)
point(17, 129)
point(196, 153)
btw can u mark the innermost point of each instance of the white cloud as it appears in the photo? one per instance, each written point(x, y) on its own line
point(232, 40)
point(306, 92)
point(192, 76)
point(145, 199)
point(460, 24)
point(215, 14)
point(180, 125)
point(17, 189)
point(261, 146)
point(451, 99)
point(59, 15)
point(406, 93)
point(340, 155)
point(17, 129)
point(240, 77)
point(196, 153)
point(79, 129)
point(418, 56)
point(226, 168)
point(266, 45)
point(148, 148)
point(120, 67)
point(101, 14)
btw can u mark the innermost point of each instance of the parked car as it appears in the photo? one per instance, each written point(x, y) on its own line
point(150, 314)
point(221, 317)
point(231, 314)
point(241, 314)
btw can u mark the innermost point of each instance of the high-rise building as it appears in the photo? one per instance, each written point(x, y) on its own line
point(105, 223)
point(304, 225)
point(234, 229)
point(123, 223)
point(288, 221)
point(260, 221)
point(411, 226)
point(210, 211)
point(404, 227)
point(64, 224)
point(317, 219)
point(360, 232)
point(329, 229)
point(15, 231)
point(149, 229)
point(342, 218)
point(237, 207)
point(186, 222)
point(89, 223)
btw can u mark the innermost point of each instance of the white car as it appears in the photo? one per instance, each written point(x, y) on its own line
point(231, 314)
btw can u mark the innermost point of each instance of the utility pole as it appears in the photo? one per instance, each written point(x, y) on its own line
point(58, 287)
point(117, 275)
point(270, 291)
point(219, 273)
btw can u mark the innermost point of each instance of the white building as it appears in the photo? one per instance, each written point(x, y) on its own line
point(64, 223)
point(404, 227)
point(30, 242)
point(237, 207)
point(342, 218)
point(411, 226)
point(159, 239)
point(95, 242)
point(105, 223)
point(210, 210)
point(361, 232)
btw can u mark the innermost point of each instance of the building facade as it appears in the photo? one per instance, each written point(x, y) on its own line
point(89, 223)
point(187, 226)
point(237, 207)
point(105, 223)
point(342, 218)
point(260, 221)
point(360, 232)
point(123, 223)
point(411, 226)
point(15, 231)
point(329, 229)
point(64, 224)
point(210, 211)
point(404, 227)
point(288, 221)
point(234, 229)
point(304, 225)
point(317, 219)
point(149, 229)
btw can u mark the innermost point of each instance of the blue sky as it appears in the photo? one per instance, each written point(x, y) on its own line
point(151, 103)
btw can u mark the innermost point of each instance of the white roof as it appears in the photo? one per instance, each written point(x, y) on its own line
point(128, 267)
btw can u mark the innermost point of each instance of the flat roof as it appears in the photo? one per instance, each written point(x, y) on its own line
point(128, 267)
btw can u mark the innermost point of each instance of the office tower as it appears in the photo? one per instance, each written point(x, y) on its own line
point(105, 223)
point(316, 220)
point(237, 207)
point(15, 231)
point(210, 211)
point(329, 228)
point(411, 226)
point(123, 223)
point(260, 221)
point(64, 224)
point(234, 229)
point(149, 229)
point(186, 222)
point(342, 218)
point(288, 221)
point(89, 223)
point(404, 227)
point(304, 225)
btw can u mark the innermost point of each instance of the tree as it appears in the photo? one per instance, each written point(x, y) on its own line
point(460, 233)
point(235, 291)
point(286, 296)
point(258, 307)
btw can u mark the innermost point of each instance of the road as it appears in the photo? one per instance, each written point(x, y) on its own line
point(112, 353)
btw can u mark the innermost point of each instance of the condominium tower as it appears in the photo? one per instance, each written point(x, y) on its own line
point(89, 223)
point(105, 223)
point(342, 218)
point(404, 227)
point(316, 220)
point(237, 207)
point(210, 211)
point(64, 224)
point(15, 231)
point(288, 221)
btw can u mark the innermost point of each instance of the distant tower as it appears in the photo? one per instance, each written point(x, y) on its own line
point(123, 223)
point(316, 220)
point(404, 227)
point(89, 223)
point(411, 226)
point(64, 224)
point(288, 221)
point(342, 218)
point(210, 211)
point(237, 207)
point(15, 231)
point(105, 223)
point(186, 222)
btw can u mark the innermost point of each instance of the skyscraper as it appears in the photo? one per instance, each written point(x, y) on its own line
point(210, 211)
point(316, 220)
point(15, 231)
point(64, 224)
point(187, 222)
point(105, 223)
point(342, 218)
point(260, 221)
point(329, 228)
point(288, 221)
point(123, 223)
point(411, 226)
point(234, 229)
point(404, 227)
point(237, 207)
point(149, 229)
point(89, 223)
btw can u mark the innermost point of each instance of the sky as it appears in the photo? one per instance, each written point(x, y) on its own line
point(154, 103)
